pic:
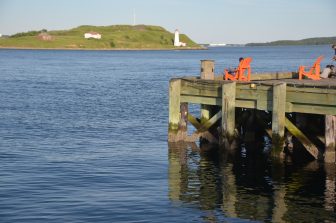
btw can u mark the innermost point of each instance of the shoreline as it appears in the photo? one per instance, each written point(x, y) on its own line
point(103, 49)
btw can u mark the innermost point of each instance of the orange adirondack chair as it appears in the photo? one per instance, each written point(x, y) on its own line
point(314, 71)
point(243, 71)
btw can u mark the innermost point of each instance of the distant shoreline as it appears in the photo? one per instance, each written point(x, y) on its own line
point(104, 49)
point(302, 42)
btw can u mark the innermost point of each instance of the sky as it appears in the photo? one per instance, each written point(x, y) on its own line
point(212, 21)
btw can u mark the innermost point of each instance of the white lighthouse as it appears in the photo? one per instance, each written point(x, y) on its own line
point(177, 39)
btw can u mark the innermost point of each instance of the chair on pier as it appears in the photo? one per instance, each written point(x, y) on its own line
point(314, 71)
point(242, 73)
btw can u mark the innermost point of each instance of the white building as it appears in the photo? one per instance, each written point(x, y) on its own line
point(94, 35)
point(177, 39)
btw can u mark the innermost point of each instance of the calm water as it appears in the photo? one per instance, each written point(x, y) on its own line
point(83, 139)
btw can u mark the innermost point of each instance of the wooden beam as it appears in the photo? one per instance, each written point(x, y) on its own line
point(278, 118)
point(262, 105)
point(228, 111)
point(311, 98)
point(272, 76)
point(314, 109)
point(201, 100)
point(201, 127)
point(194, 121)
point(207, 125)
point(308, 145)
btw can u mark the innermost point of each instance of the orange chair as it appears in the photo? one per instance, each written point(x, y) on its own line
point(239, 73)
point(314, 71)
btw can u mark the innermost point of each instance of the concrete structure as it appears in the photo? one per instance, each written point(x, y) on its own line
point(93, 35)
point(177, 40)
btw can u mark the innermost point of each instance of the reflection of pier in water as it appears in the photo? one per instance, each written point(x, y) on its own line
point(240, 187)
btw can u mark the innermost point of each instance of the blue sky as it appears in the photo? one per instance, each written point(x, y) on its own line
point(220, 21)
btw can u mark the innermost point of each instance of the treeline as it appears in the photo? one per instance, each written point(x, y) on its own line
point(29, 33)
point(310, 41)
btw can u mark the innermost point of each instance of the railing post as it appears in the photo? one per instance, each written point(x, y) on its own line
point(278, 118)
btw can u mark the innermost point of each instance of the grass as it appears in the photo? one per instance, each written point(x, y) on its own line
point(113, 37)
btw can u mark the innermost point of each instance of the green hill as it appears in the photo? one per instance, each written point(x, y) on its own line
point(310, 41)
point(113, 37)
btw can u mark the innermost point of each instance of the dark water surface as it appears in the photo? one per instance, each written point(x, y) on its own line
point(83, 139)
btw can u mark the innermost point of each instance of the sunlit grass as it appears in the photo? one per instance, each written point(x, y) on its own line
point(117, 36)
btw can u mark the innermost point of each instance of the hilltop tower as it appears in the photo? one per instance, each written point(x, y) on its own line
point(177, 38)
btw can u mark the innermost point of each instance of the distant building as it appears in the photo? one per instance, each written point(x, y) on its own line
point(45, 37)
point(0, 35)
point(217, 44)
point(177, 39)
point(93, 35)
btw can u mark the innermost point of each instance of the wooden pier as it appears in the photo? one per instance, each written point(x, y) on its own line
point(283, 106)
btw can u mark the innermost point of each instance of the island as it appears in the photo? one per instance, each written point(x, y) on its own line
point(114, 37)
point(309, 41)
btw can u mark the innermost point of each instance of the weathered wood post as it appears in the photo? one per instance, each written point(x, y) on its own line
point(278, 118)
point(207, 73)
point(177, 130)
point(228, 114)
point(330, 139)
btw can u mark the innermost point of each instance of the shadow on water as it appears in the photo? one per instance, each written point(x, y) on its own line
point(250, 186)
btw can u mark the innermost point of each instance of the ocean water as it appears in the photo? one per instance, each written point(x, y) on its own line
point(83, 138)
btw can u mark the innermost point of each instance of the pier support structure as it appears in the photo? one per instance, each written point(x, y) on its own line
point(278, 118)
point(228, 114)
point(266, 100)
point(177, 130)
point(207, 73)
point(330, 139)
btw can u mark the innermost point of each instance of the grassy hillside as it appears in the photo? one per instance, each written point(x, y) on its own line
point(310, 41)
point(113, 37)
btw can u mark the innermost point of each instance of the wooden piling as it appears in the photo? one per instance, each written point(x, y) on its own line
point(177, 130)
point(207, 73)
point(330, 139)
point(278, 118)
point(174, 104)
point(207, 69)
point(228, 113)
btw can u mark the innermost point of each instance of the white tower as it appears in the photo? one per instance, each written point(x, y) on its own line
point(177, 38)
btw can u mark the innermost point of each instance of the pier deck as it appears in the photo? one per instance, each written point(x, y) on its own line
point(280, 94)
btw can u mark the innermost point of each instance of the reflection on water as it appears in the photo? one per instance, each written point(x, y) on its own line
point(251, 186)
